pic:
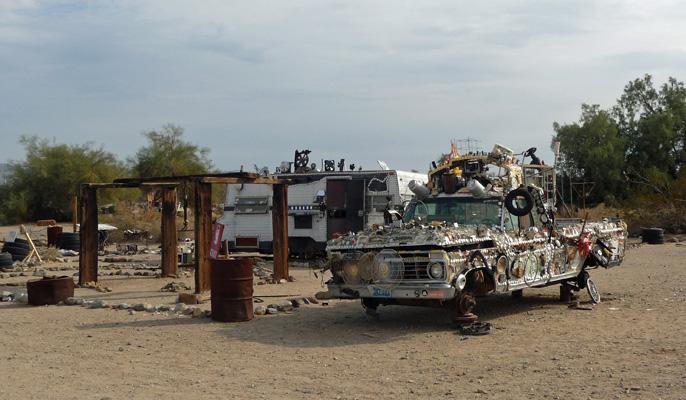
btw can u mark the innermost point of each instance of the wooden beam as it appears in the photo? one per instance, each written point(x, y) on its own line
point(280, 229)
point(88, 254)
point(170, 261)
point(220, 180)
point(74, 213)
point(203, 235)
point(181, 178)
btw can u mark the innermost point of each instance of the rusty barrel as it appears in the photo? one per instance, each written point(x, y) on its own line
point(49, 290)
point(53, 231)
point(231, 286)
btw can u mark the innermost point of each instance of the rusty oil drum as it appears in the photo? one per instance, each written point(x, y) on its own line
point(231, 286)
point(49, 290)
point(53, 231)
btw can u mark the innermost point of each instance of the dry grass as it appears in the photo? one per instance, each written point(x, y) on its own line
point(133, 216)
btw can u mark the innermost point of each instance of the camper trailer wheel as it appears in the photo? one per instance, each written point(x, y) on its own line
point(592, 291)
point(310, 250)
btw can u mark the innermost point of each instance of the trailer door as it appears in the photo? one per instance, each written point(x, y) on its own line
point(345, 206)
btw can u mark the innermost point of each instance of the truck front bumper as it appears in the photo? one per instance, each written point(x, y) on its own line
point(419, 291)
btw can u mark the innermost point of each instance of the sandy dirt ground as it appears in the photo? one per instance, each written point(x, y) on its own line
point(631, 345)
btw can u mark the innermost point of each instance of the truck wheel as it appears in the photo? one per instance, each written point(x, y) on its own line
point(517, 294)
point(311, 250)
point(465, 304)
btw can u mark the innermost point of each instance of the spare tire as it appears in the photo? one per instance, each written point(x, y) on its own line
point(512, 202)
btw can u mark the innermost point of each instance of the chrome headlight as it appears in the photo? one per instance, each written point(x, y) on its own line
point(461, 281)
point(435, 270)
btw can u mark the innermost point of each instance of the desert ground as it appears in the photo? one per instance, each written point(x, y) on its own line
point(630, 345)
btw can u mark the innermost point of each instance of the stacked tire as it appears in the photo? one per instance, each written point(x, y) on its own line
point(68, 241)
point(652, 235)
point(18, 250)
point(6, 260)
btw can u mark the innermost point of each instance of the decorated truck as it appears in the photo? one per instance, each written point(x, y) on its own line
point(485, 222)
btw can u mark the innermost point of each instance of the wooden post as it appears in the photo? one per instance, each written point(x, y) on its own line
point(88, 254)
point(170, 261)
point(203, 235)
point(280, 229)
point(75, 212)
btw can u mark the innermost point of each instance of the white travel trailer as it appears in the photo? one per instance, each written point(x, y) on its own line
point(321, 205)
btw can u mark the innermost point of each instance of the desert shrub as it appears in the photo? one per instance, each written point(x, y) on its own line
point(133, 216)
point(659, 204)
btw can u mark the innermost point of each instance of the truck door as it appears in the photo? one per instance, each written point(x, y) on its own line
point(345, 206)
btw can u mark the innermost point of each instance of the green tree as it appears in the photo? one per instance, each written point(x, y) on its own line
point(43, 186)
point(654, 125)
point(168, 155)
point(593, 151)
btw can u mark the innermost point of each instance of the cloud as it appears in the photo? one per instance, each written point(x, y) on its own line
point(348, 79)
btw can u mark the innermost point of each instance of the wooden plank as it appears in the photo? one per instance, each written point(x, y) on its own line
point(109, 185)
point(203, 235)
point(34, 251)
point(170, 261)
point(280, 229)
point(88, 254)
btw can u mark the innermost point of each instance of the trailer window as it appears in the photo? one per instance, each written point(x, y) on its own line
point(252, 205)
point(378, 203)
point(302, 222)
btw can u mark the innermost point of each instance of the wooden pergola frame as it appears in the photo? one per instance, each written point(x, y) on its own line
point(88, 256)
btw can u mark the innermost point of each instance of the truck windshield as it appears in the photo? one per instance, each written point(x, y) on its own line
point(463, 210)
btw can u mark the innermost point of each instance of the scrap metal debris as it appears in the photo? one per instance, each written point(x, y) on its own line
point(476, 328)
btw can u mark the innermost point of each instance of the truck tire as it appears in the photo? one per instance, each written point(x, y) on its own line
point(6, 260)
point(652, 235)
point(18, 245)
point(68, 241)
point(513, 206)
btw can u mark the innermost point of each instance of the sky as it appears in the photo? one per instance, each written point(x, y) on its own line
point(254, 81)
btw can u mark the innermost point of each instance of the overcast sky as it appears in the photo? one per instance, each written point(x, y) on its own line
point(361, 80)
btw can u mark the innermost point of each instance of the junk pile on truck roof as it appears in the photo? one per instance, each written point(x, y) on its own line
point(485, 222)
